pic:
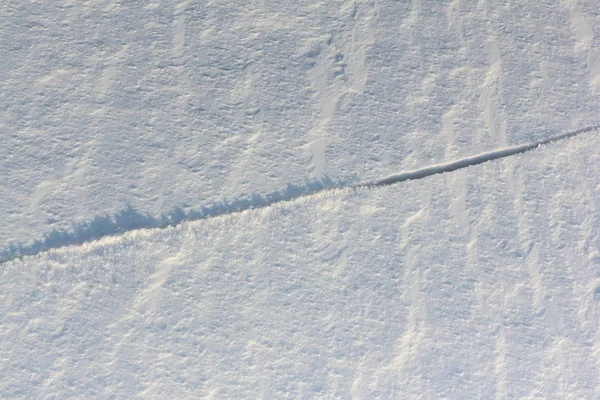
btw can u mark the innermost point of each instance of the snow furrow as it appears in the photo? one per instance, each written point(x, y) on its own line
point(470, 161)
point(132, 220)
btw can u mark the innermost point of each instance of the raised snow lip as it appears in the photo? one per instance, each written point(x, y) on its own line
point(470, 161)
point(132, 220)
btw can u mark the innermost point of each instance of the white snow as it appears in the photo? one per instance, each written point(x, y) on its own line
point(483, 282)
point(474, 284)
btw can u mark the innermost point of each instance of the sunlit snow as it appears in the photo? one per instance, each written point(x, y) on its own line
point(167, 229)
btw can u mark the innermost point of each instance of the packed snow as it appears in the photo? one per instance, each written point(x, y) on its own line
point(228, 120)
point(476, 284)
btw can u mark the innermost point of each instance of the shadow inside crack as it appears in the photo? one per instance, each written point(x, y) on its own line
point(130, 219)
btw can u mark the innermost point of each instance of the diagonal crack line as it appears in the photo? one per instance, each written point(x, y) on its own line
point(470, 161)
point(132, 220)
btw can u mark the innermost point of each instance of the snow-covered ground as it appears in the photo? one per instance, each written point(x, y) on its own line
point(479, 283)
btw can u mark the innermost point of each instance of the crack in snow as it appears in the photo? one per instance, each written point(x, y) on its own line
point(471, 161)
point(130, 219)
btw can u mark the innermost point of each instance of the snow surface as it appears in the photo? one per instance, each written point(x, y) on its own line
point(479, 283)
point(475, 284)
point(159, 104)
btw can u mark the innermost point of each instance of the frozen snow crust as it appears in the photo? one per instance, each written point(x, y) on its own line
point(160, 105)
point(131, 219)
point(260, 136)
point(474, 284)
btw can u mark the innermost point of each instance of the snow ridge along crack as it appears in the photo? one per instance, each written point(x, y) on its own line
point(130, 219)
point(471, 161)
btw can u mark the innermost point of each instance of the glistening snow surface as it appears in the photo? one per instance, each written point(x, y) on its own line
point(479, 283)
point(160, 104)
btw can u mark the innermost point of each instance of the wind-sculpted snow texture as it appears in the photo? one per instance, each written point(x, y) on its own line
point(160, 104)
point(187, 206)
point(409, 291)
point(131, 219)
point(471, 161)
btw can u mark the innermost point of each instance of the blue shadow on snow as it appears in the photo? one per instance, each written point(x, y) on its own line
point(130, 219)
